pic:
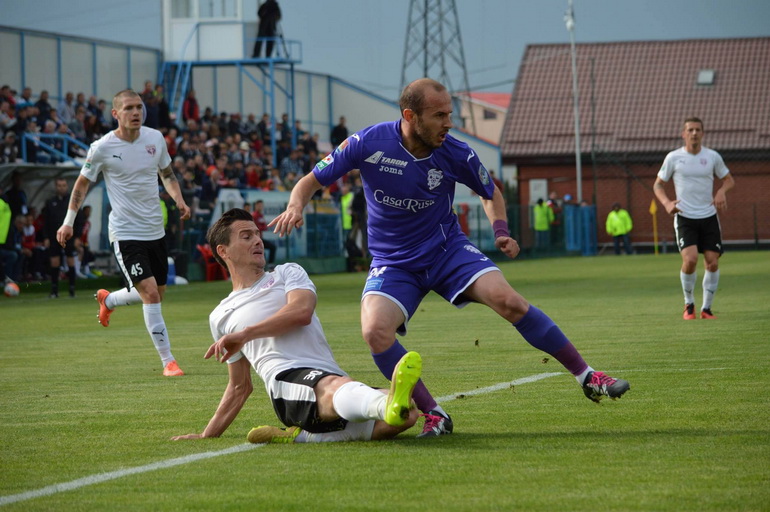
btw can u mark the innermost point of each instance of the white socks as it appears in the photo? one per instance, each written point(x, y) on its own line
point(355, 401)
point(710, 283)
point(688, 285)
point(122, 297)
point(582, 377)
point(156, 326)
point(351, 432)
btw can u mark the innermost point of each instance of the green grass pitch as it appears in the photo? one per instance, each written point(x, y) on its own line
point(693, 433)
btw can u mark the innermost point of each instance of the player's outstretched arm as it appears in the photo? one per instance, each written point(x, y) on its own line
point(239, 387)
point(300, 197)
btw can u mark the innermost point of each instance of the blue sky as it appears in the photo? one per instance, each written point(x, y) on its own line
point(363, 41)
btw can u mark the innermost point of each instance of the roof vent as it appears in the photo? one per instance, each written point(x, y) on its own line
point(706, 77)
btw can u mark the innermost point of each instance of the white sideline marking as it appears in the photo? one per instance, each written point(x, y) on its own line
point(104, 477)
point(498, 387)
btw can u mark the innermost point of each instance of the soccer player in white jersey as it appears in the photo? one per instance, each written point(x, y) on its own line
point(130, 158)
point(409, 169)
point(695, 208)
point(268, 322)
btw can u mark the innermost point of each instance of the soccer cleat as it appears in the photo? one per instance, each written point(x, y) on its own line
point(405, 377)
point(689, 312)
point(436, 424)
point(706, 314)
point(268, 434)
point(172, 370)
point(104, 311)
point(598, 385)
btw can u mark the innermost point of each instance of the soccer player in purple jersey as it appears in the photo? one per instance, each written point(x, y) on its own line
point(409, 169)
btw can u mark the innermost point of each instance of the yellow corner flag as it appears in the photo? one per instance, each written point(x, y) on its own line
point(653, 211)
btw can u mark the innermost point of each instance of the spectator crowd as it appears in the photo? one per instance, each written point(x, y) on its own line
point(209, 150)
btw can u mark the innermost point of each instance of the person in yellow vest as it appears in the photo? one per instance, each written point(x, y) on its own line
point(619, 224)
point(8, 256)
point(543, 217)
point(346, 200)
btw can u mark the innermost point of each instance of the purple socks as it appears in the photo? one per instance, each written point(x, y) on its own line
point(540, 332)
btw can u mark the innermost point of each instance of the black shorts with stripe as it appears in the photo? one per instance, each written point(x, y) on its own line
point(142, 259)
point(294, 400)
point(705, 233)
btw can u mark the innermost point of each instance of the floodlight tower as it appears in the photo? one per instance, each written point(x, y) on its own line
point(433, 43)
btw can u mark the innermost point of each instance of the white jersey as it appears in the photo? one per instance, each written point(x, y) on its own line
point(304, 347)
point(131, 174)
point(694, 180)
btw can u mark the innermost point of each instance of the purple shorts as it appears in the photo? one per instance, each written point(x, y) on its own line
point(459, 266)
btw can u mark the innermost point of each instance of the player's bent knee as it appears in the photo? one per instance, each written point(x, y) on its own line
point(378, 337)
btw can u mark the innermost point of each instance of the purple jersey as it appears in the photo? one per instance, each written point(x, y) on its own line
point(409, 200)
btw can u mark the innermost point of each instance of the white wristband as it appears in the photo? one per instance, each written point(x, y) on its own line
point(69, 220)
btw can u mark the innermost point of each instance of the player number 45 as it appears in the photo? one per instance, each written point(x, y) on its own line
point(136, 269)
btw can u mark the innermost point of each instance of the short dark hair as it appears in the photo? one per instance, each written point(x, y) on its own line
point(117, 100)
point(694, 119)
point(413, 95)
point(219, 233)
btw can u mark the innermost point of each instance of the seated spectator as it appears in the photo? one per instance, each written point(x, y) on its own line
point(7, 117)
point(274, 181)
point(190, 108)
point(103, 119)
point(25, 99)
point(66, 108)
point(34, 152)
point(93, 128)
point(250, 125)
point(290, 180)
point(9, 153)
point(43, 108)
point(7, 94)
point(80, 101)
point(210, 190)
point(78, 126)
point(170, 137)
point(292, 163)
point(190, 190)
point(234, 124)
point(264, 127)
point(208, 115)
point(22, 118)
point(252, 175)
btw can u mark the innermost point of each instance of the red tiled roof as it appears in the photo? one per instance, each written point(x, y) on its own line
point(643, 92)
point(497, 99)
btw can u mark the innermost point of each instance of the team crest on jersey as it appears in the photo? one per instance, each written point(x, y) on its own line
point(703, 161)
point(434, 178)
point(474, 250)
point(483, 175)
point(150, 149)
